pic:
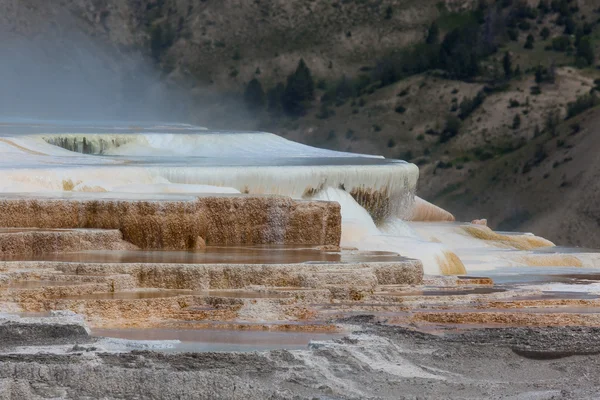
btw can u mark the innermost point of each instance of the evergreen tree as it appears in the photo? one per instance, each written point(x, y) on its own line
point(388, 12)
point(516, 121)
point(299, 90)
point(459, 52)
point(156, 41)
point(507, 65)
point(254, 96)
point(433, 34)
point(274, 98)
point(545, 33)
point(585, 50)
point(161, 39)
point(529, 42)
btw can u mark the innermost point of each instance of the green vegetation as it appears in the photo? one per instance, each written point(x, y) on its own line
point(582, 103)
point(451, 129)
point(467, 106)
point(254, 96)
point(529, 42)
point(433, 34)
point(561, 43)
point(299, 91)
point(545, 75)
point(585, 52)
point(400, 109)
point(551, 123)
point(545, 33)
point(507, 65)
point(161, 39)
point(516, 121)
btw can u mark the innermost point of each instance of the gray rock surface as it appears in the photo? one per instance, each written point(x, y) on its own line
point(375, 361)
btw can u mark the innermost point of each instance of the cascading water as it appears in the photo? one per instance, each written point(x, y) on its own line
point(254, 163)
point(376, 195)
point(359, 231)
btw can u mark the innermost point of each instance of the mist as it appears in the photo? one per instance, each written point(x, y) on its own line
point(78, 78)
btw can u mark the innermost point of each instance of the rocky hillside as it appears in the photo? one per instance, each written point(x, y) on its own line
point(494, 100)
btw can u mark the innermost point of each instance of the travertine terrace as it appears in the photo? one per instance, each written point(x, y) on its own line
point(185, 224)
point(114, 235)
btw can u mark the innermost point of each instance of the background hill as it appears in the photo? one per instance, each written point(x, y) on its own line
point(494, 100)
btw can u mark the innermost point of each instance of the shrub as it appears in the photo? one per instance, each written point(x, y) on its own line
point(543, 74)
point(339, 92)
point(451, 129)
point(483, 155)
point(516, 122)
point(552, 121)
point(324, 111)
point(561, 43)
point(400, 109)
point(545, 33)
point(467, 106)
point(575, 128)
point(524, 25)
point(403, 93)
point(581, 104)
point(460, 52)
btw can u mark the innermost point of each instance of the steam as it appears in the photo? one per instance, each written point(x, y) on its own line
point(79, 78)
point(58, 66)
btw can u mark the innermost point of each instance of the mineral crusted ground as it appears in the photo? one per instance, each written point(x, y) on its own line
point(103, 300)
point(371, 361)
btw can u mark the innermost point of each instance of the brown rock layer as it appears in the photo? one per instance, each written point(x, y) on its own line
point(35, 242)
point(180, 225)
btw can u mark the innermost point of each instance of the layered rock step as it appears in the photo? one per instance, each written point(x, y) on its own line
point(146, 294)
point(185, 224)
point(35, 242)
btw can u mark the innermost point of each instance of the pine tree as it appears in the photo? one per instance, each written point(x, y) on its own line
point(529, 42)
point(545, 33)
point(274, 98)
point(507, 65)
point(585, 50)
point(254, 96)
point(299, 90)
point(433, 34)
point(516, 121)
